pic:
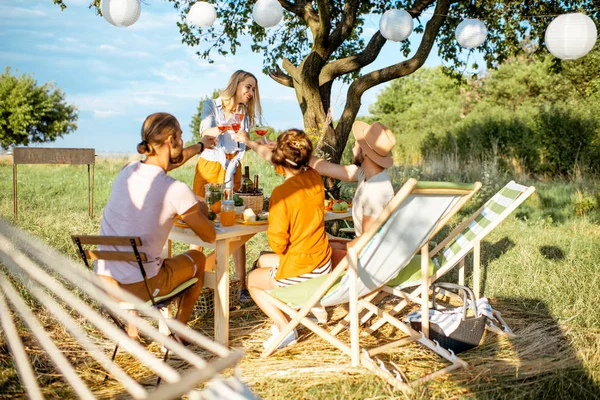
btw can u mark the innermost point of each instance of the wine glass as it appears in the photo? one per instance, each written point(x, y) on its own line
point(223, 123)
point(261, 128)
point(238, 118)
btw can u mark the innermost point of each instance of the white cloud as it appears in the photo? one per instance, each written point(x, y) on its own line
point(21, 12)
point(102, 114)
point(154, 21)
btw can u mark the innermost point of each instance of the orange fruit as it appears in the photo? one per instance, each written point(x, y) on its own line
point(216, 207)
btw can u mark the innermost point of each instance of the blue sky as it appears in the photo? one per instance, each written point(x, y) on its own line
point(118, 76)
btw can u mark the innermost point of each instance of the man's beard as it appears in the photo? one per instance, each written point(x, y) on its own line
point(178, 158)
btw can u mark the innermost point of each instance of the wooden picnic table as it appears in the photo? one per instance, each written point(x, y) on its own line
point(218, 280)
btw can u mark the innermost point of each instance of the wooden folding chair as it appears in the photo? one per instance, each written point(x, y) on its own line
point(133, 255)
point(413, 217)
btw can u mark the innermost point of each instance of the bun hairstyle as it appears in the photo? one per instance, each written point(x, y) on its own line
point(155, 131)
point(293, 149)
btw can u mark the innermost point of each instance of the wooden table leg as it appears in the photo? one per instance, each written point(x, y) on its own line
point(222, 292)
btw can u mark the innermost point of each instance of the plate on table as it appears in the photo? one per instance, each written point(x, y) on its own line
point(261, 222)
point(341, 212)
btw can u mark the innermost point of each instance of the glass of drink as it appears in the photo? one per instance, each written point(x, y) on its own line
point(238, 118)
point(223, 124)
point(261, 128)
point(214, 196)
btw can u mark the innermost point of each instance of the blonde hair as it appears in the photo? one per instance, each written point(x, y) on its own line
point(228, 94)
point(293, 149)
point(156, 130)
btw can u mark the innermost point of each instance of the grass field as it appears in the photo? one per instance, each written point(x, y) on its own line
point(542, 270)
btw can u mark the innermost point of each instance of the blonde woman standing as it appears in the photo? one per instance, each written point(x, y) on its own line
point(222, 164)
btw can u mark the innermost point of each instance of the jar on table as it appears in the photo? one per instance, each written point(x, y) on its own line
point(227, 213)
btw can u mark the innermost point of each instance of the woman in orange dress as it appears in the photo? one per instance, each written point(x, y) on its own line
point(222, 164)
point(296, 231)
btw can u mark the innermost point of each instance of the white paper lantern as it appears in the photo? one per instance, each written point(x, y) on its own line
point(267, 13)
point(571, 36)
point(396, 25)
point(121, 13)
point(202, 14)
point(471, 33)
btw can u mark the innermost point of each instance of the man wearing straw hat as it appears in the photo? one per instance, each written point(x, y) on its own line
point(372, 154)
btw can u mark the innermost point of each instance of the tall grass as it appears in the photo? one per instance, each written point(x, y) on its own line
point(541, 271)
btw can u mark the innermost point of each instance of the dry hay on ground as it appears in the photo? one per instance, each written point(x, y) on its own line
point(315, 369)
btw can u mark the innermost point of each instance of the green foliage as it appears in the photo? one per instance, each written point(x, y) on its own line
point(196, 120)
point(530, 112)
point(237, 200)
point(32, 114)
point(425, 102)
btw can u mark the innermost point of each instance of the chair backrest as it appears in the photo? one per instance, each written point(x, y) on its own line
point(494, 211)
point(413, 217)
point(133, 242)
point(115, 255)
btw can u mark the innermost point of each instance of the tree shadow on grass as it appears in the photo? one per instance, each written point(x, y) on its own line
point(541, 362)
point(554, 253)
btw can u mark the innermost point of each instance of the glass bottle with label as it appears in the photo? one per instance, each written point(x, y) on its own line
point(247, 185)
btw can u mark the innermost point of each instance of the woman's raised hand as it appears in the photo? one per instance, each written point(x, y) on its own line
point(241, 136)
point(209, 141)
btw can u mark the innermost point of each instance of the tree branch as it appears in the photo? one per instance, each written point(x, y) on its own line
point(353, 63)
point(409, 66)
point(305, 11)
point(291, 69)
point(322, 35)
point(346, 25)
point(281, 77)
point(360, 85)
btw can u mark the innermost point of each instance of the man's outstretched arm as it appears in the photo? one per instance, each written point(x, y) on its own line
point(346, 173)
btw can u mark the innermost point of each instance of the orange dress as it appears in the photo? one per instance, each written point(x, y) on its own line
point(296, 225)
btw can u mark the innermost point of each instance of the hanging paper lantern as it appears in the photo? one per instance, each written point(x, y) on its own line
point(470, 33)
point(267, 13)
point(121, 13)
point(571, 36)
point(202, 14)
point(396, 25)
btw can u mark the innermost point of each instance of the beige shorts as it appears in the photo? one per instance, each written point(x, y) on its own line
point(172, 273)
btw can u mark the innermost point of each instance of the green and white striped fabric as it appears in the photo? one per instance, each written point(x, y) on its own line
point(409, 226)
point(493, 209)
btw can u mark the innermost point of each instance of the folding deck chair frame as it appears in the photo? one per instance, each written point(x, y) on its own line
point(351, 262)
point(518, 194)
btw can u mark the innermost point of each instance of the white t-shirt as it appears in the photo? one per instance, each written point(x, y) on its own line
point(371, 197)
point(143, 202)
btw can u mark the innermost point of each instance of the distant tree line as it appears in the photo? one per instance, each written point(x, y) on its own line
point(534, 113)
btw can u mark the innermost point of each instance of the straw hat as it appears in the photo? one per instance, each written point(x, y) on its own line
point(376, 141)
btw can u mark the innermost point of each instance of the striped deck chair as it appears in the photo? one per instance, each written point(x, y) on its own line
point(453, 250)
point(415, 214)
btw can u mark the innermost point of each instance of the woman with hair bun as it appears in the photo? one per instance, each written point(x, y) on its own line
point(296, 231)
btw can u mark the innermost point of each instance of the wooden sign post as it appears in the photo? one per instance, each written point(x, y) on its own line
point(37, 155)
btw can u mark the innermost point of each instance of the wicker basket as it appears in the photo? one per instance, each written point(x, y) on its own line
point(206, 300)
point(253, 201)
point(470, 331)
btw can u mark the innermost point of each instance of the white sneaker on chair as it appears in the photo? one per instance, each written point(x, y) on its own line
point(291, 338)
